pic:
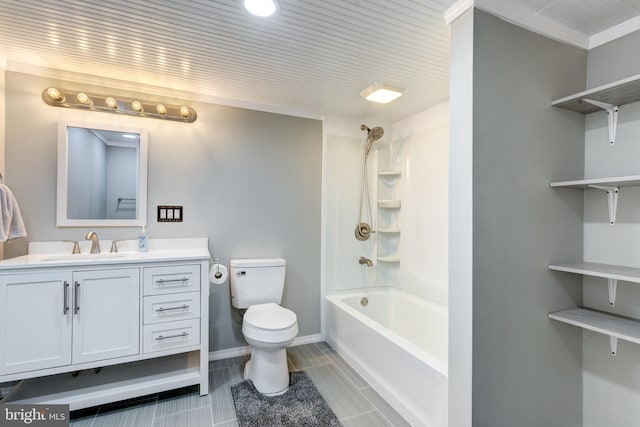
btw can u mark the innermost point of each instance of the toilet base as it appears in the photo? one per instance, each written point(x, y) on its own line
point(268, 370)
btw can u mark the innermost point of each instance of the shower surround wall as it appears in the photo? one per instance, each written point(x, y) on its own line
point(421, 154)
point(417, 147)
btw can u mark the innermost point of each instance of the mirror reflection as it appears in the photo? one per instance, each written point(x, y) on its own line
point(102, 171)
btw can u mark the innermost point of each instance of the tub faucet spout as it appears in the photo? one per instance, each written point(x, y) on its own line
point(367, 261)
point(95, 242)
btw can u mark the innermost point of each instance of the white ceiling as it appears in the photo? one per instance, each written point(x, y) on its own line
point(313, 58)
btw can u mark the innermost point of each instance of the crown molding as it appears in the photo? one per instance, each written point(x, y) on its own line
point(457, 9)
point(610, 34)
point(536, 23)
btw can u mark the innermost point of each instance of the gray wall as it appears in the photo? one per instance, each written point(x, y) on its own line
point(611, 390)
point(526, 368)
point(250, 181)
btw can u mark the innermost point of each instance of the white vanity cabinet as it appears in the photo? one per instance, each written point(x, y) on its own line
point(106, 314)
point(56, 318)
point(87, 331)
point(35, 322)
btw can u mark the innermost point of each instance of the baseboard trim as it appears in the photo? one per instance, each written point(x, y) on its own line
point(243, 351)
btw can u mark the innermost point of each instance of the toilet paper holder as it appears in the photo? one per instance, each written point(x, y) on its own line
point(216, 263)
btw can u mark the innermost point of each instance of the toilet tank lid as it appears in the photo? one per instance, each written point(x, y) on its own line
point(258, 262)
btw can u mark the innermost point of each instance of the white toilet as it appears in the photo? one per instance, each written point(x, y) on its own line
point(257, 285)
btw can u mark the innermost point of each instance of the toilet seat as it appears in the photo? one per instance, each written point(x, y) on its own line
point(269, 323)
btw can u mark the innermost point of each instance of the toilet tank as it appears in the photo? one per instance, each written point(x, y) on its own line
point(256, 281)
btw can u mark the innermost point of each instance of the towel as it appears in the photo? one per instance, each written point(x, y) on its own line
point(11, 224)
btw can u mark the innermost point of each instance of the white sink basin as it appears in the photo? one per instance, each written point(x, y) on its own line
point(84, 257)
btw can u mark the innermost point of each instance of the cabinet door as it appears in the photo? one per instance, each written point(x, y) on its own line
point(106, 319)
point(35, 321)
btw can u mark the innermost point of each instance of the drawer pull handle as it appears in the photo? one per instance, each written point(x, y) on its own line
point(182, 307)
point(165, 281)
point(161, 337)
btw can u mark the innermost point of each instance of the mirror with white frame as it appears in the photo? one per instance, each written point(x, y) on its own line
point(102, 175)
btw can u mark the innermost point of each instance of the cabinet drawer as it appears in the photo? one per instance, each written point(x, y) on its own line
point(171, 279)
point(170, 307)
point(165, 336)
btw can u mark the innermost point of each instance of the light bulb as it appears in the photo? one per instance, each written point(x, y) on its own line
point(55, 94)
point(111, 102)
point(161, 109)
point(83, 98)
point(184, 111)
point(136, 105)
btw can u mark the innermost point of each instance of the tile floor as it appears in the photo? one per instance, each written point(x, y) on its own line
point(354, 402)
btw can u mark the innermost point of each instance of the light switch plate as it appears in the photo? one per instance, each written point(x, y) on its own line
point(169, 213)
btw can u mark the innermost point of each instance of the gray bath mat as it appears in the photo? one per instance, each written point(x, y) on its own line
point(301, 405)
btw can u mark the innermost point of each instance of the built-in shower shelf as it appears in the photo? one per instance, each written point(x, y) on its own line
point(614, 326)
point(389, 258)
point(389, 230)
point(389, 177)
point(389, 204)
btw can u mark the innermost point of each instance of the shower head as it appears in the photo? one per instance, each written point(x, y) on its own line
point(372, 136)
point(375, 134)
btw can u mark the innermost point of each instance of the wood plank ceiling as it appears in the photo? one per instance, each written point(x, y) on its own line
point(313, 57)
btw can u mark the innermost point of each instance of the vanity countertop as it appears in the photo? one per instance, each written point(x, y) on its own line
point(58, 254)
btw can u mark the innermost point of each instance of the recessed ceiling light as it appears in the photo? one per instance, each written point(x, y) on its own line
point(382, 93)
point(261, 7)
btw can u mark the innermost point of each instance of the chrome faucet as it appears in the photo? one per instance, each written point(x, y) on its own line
point(364, 260)
point(95, 242)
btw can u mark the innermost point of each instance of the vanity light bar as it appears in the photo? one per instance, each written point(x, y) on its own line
point(110, 104)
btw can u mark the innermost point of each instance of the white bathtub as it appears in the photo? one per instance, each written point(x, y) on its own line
point(398, 343)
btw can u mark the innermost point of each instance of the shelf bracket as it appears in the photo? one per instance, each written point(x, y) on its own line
point(613, 342)
point(613, 286)
point(612, 198)
point(612, 117)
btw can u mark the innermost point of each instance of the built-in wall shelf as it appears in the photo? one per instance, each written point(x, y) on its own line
point(608, 97)
point(611, 186)
point(389, 258)
point(389, 204)
point(614, 326)
point(607, 271)
point(389, 230)
point(612, 273)
point(618, 93)
point(620, 181)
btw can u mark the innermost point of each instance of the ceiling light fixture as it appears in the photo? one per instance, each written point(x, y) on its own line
point(118, 105)
point(382, 93)
point(261, 7)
